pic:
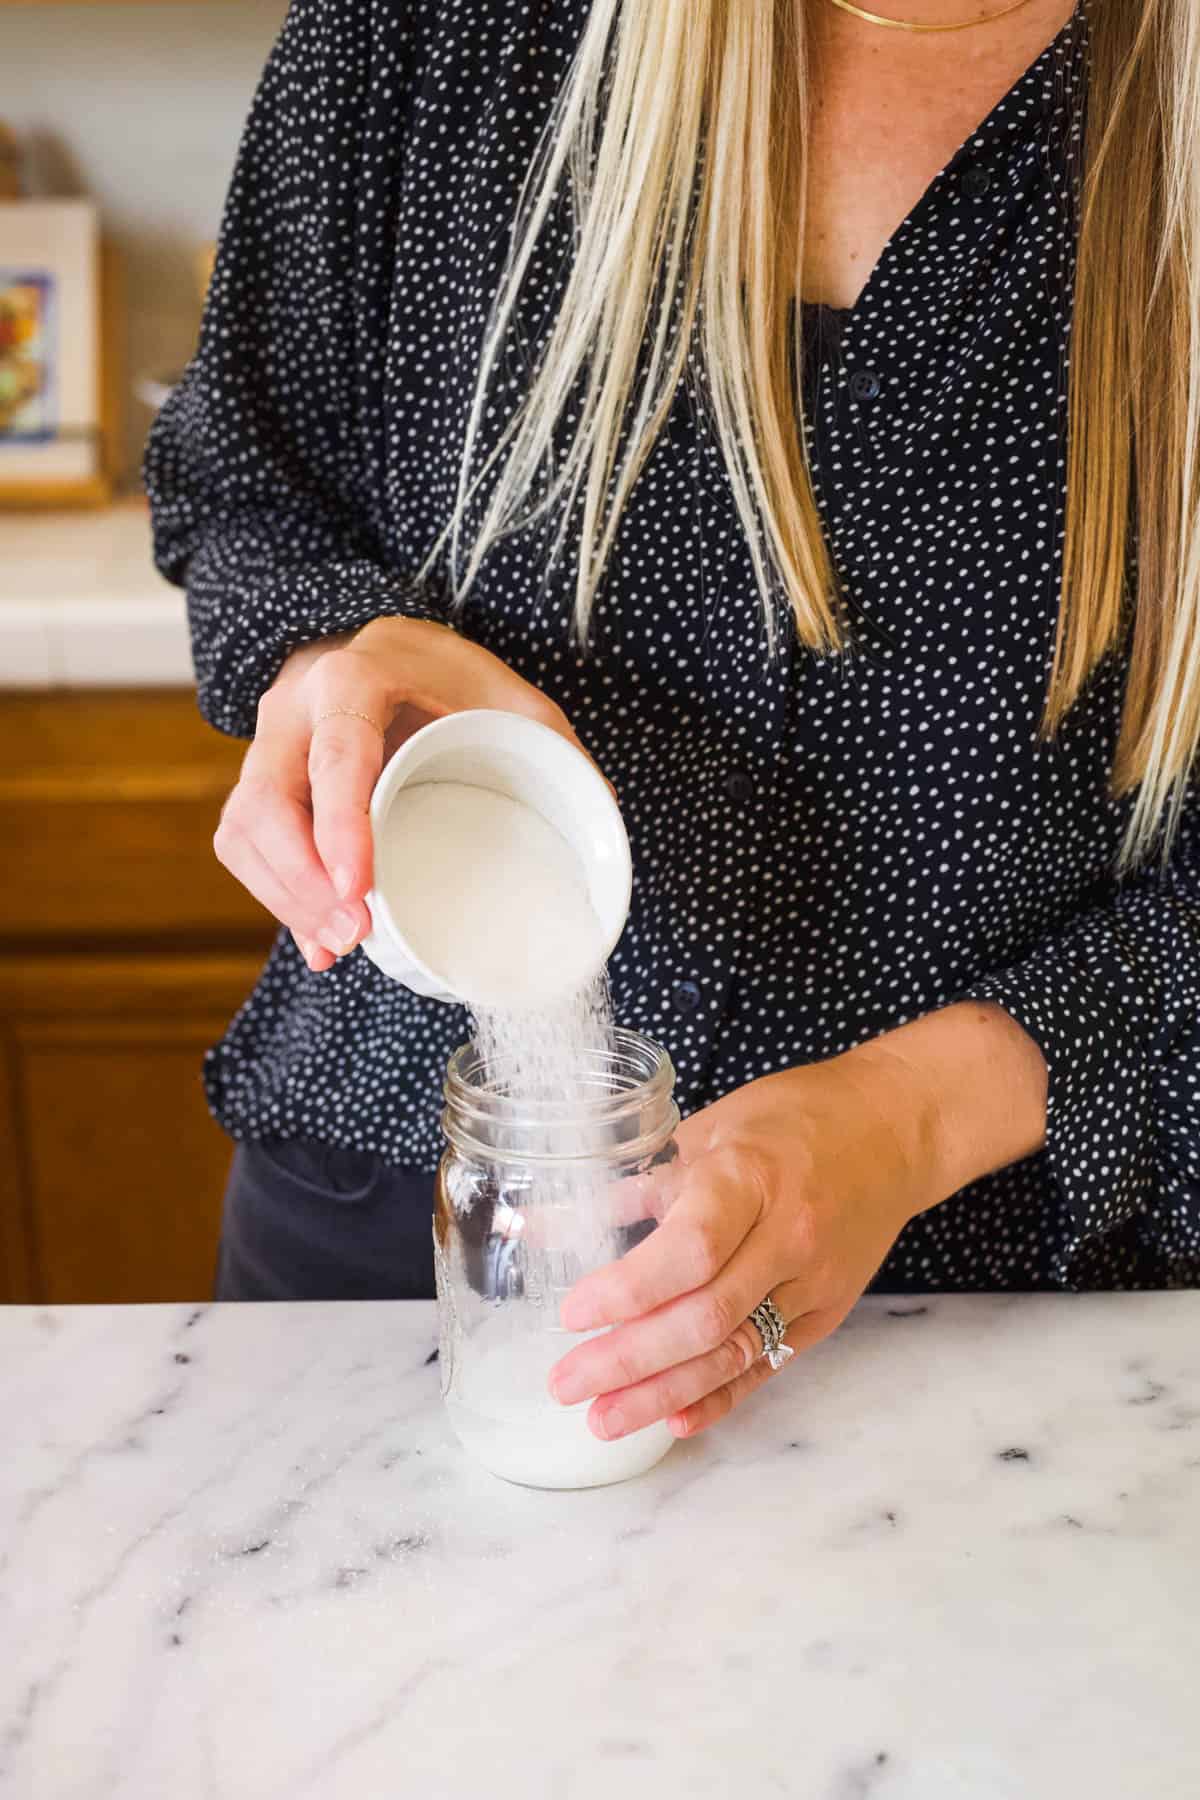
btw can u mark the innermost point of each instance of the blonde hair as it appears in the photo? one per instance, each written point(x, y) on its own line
point(681, 131)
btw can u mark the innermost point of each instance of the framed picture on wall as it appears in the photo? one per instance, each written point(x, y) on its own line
point(55, 438)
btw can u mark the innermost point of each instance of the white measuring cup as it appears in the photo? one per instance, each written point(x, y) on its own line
point(512, 755)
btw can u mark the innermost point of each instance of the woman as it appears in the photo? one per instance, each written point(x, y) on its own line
point(900, 696)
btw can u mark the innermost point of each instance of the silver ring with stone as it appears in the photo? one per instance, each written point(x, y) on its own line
point(770, 1325)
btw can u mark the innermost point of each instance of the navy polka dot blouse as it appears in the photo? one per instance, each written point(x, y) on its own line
point(824, 848)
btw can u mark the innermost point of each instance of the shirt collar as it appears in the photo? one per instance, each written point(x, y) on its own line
point(1047, 91)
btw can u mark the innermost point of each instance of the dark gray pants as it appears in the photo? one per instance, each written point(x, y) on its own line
point(306, 1222)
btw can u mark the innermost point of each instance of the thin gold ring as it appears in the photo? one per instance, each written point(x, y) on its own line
point(349, 712)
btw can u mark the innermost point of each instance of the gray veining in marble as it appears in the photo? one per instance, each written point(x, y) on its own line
point(953, 1552)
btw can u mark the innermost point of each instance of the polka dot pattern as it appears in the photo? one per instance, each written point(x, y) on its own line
point(824, 848)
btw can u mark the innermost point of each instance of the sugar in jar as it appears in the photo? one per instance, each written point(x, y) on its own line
point(531, 1195)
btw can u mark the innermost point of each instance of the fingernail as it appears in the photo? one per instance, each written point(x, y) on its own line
point(575, 1315)
point(340, 933)
point(567, 1389)
point(610, 1424)
point(346, 925)
point(342, 882)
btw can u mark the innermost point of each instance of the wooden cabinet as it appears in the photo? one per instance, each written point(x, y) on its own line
point(124, 948)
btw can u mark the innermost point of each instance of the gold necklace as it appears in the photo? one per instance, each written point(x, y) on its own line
point(907, 25)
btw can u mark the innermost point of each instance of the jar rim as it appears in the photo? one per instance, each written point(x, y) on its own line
point(636, 1077)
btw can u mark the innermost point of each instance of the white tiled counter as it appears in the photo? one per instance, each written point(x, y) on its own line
point(81, 605)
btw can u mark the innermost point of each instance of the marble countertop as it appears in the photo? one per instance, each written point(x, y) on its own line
point(951, 1554)
point(81, 604)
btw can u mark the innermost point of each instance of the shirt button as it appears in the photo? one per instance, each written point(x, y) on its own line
point(976, 181)
point(865, 384)
point(739, 787)
point(686, 997)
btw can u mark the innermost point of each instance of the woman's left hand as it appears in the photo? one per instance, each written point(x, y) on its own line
point(795, 1186)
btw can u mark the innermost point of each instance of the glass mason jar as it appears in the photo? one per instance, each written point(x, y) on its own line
point(530, 1197)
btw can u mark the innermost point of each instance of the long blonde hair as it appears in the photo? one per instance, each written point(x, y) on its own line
point(681, 130)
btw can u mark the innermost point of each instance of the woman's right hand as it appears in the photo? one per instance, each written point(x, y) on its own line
point(296, 829)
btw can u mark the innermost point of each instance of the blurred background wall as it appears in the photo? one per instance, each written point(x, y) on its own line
point(139, 107)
